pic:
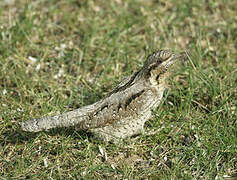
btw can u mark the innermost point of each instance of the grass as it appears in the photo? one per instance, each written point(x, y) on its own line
point(56, 56)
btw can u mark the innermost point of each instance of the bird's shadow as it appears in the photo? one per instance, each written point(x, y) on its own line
point(15, 135)
point(18, 136)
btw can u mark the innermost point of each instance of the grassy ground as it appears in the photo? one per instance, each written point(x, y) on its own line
point(58, 55)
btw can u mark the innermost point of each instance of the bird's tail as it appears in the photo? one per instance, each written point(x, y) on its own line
point(68, 119)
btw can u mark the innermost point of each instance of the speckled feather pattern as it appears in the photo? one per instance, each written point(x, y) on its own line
point(124, 111)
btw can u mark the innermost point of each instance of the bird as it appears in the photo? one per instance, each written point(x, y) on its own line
point(122, 112)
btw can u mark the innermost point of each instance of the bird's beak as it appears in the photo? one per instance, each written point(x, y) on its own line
point(174, 58)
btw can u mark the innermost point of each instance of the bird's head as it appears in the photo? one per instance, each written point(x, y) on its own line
point(156, 67)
